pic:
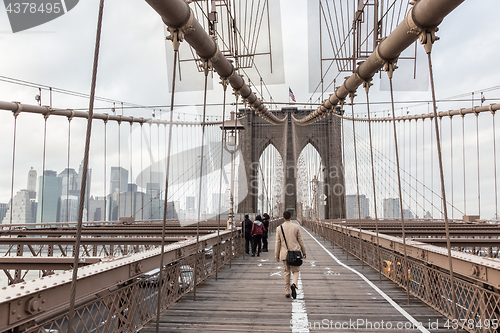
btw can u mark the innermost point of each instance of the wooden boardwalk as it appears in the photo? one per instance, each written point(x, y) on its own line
point(250, 297)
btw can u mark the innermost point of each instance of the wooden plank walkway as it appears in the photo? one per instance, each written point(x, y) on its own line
point(250, 297)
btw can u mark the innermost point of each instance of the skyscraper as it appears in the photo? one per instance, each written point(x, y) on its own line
point(119, 180)
point(392, 208)
point(21, 209)
point(49, 197)
point(352, 211)
point(32, 183)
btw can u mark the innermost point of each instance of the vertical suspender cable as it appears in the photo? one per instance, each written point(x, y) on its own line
point(119, 168)
point(343, 192)
point(478, 172)
point(451, 165)
point(367, 88)
point(105, 157)
point(206, 68)
point(13, 164)
point(428, 48)
point(224, 86)
point(463, 161)
point(71, 311)
point(141, 180)
point(495, 162)
point(46, 116)
point(357, 181)
point(132, 193)
point(390, 72)
point(175, 43)
point(67, 170)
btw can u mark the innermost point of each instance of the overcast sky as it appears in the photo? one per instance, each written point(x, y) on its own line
point(133, 68)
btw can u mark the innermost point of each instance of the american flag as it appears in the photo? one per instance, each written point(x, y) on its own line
point(290, 93)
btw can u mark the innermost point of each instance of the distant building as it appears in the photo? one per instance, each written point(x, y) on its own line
point(49, 197)
point(119, 180)
point(137, 204)
point(97, 208)
point(407, 214)
point(21, 209)
point(190, 203)
point(392, 208)
point(69, 182)
point(4, 207)
point(32, 183)
point(352, 211)
point(69, 208)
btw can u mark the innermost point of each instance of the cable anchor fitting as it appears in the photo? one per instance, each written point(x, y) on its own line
point(176, 36)
point(428, 38)
point(390, 67)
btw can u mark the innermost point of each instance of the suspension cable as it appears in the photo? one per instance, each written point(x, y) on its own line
point(176, 43)
point(429, 40)
point(206, 70)
point(224, 86)
point(15, 114)
point(390, 70)
point(351, 95)
point(367, 85)
point(71, 311)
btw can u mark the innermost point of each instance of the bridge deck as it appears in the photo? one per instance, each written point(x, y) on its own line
point(250, 297)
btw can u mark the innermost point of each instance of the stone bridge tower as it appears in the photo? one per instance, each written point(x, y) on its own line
point(290, 139)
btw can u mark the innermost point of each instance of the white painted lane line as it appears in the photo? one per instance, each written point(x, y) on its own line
point(371, 284)
point(299, 322)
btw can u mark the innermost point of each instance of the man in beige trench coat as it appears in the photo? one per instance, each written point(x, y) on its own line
point(295, 243)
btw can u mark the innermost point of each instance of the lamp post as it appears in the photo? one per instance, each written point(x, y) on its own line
point(314, 183)
point(231, 129)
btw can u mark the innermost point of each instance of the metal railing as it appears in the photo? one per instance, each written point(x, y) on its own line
point(119, 295)
point(477, 295)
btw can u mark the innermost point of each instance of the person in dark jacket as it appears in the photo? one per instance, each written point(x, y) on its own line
point(257, 231)
point(247, 231)
point(266, 231)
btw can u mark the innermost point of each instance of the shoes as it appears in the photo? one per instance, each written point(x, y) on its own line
point(258, 254)
point(294, 291)
point(287, 295)
point(253, 255)
point(265, 250)
point(246, 253)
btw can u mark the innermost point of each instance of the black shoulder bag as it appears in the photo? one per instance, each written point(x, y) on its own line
point(293, 258)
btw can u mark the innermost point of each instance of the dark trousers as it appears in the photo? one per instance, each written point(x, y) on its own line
point(256, 244)
point(248, 243)
point(264, 242)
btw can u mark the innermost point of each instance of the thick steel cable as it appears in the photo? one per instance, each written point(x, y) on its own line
point(119, 168)
point(367, 88)
point(175, 43)
point(13, 165)
point(357, 184)
point(441, 173)
point(132, 193)
point(405, 264)
point(344, 192)
point(142, 171)
point(451, 165)
point(71, 311)
point(195, 270)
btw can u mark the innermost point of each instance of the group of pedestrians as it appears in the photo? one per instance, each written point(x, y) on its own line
point(256, 234)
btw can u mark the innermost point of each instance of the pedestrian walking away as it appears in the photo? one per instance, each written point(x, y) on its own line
point(247, 231)
point(257, 231)
point(265, 221)
point(291, 232)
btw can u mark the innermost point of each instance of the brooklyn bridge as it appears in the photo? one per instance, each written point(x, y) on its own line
point(371, 121)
